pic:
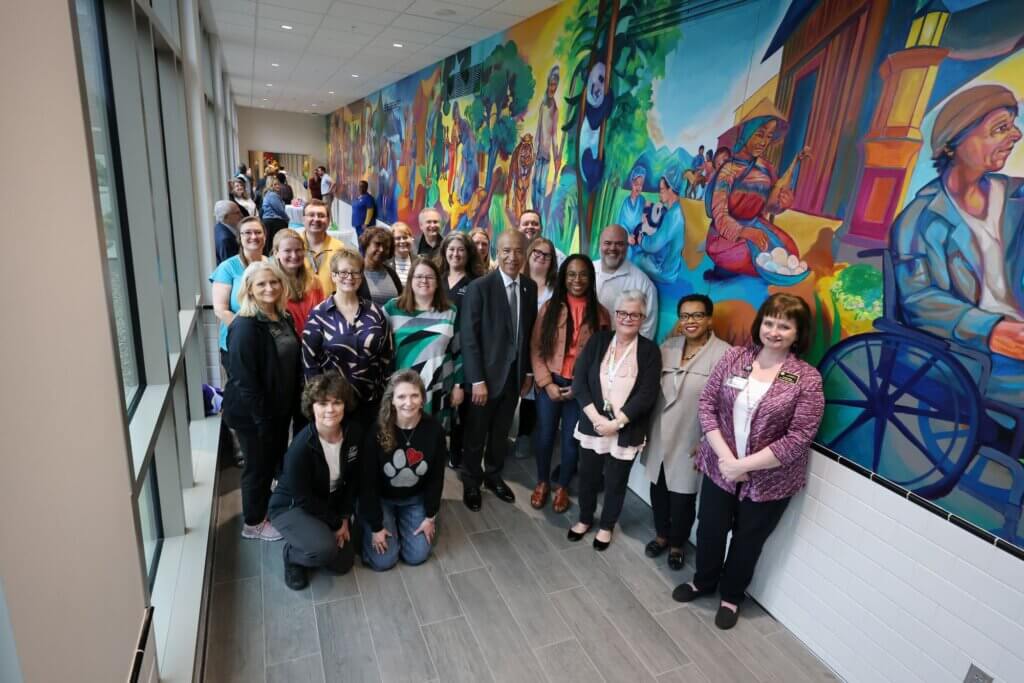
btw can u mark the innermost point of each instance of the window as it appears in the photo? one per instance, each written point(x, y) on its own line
point(150, 525)
point(104, 135)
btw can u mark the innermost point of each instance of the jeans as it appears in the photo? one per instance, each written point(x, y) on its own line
point(673, 512)
point(549, 415)
point(616, 477)
point(401, 518)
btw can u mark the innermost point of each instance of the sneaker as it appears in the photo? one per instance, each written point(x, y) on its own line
point(252, 531)
point(295, 576)
point(269, 533)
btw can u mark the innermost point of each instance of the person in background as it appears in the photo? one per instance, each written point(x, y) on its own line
point(274, 215)
point(303, 288)
point(759, 412)
point(313, 501)
point(424, 324)
point(240, 196)
point(382, 283)
point(482, 243)
point(364, 209)
point(227, 276)
point(530, 226)
point(540, 267)
point(402, 477)
point(328, 188)
point(402, 260)
point(350, 335)
point(616, 385)
point(615, 275)
point(429, 241)
point(687, 358)
point(284, 189)
point(564, 324)
point(313, 183)
point(225, 232)
point(244, 173)
point(262, 392)
point(320, 246)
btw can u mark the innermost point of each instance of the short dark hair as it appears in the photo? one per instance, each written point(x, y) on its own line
point(282, 177)
point(789, 307)
point(363, 186)
point(331, 384)
point(322, 168)
point(376, 232)
point(704, 299)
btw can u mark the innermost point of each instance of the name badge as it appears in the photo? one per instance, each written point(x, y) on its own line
point(789, 377)
point(737, 382)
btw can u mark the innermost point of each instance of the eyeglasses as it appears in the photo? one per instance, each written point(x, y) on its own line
point(626, 315)
point(695, 317)
point(348, 274)
point(577, 276)
point(424, 278)
point(542, 255)
point(251, 233)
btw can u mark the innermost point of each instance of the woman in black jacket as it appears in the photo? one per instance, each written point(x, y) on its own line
point(314, 497)
point(262, 392)
point(616, 383)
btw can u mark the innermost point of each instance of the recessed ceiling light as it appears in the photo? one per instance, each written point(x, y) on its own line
point(264, 99)
point(445, 12)
point(398, 45)
point(270, 85)
point(355, 75)
point(330, 92)
point(275, 65)
point(286, 27)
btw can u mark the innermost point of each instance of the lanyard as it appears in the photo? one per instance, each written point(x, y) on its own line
point(613, 366)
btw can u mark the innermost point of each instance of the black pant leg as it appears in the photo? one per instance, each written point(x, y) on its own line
point(717, 510)
point(754, 524)
point(257, 473)
point(683, 509)
point(616, 478)
point(590, 467)
point(527, 417)
point(477, 429)
point(456, 435)
point(660, 507)
point(501, 424)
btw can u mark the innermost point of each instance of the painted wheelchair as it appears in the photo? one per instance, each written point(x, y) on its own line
point(911, 407)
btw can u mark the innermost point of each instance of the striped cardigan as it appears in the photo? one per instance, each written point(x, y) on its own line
point(786, 419)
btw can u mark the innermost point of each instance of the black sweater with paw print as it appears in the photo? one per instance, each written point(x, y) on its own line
point(414, 467)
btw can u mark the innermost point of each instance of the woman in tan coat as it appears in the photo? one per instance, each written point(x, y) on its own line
point(687, 358)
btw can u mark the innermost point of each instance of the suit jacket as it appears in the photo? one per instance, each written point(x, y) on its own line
point(485, 331)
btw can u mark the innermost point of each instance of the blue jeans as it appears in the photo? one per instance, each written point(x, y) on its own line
point(549, 414)
point(401, 517)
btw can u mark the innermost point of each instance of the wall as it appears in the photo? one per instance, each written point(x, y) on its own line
point(281, 131)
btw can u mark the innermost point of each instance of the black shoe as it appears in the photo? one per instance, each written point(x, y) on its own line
point(501, 490)
point(576, 536)
point(725, 618)
point(601, 546)
point(675, 560)
point(295, 576)
point(471, 497)
point(654, 549)
point(684, 592)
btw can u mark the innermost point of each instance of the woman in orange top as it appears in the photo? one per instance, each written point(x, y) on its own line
point(304, 290)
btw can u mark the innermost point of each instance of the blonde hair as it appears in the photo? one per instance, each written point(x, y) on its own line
point(349, 255)
point(247, 306)
point(399, 225)
point(300, 284)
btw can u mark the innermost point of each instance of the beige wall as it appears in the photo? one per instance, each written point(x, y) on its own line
point(69, 557)
point(283, 132)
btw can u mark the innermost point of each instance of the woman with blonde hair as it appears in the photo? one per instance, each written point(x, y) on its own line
point(303, 288)
point(262, 392)
point(482, 243)
point(227, 277)
point(401, 261)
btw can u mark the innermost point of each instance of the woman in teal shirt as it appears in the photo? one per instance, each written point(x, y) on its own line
point(227, 277)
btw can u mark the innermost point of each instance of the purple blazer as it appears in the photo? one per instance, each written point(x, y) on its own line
point(786, 419)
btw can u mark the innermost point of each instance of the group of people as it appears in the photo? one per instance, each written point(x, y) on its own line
point(387, 363)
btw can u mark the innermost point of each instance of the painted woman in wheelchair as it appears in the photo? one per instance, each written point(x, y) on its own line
point(959, 245)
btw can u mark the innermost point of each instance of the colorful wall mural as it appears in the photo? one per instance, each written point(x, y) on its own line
point(752, 146)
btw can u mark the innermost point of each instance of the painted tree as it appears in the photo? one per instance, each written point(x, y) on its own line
point(507, 85)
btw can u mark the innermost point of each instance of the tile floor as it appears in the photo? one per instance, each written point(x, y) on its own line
point(504, 598)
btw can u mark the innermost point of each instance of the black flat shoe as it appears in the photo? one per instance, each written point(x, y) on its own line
point(725, 618)
point(501, 490)
point(471, 497)
point(675, 560)
point(601, 546)
point(295, 576)
point(576, 536)
point(684, 592)
point(654, 549)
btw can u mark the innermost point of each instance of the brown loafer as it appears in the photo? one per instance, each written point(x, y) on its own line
point(561, 502)
point(540, 496)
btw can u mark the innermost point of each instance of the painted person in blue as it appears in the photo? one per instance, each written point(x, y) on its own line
point(631, 214)
point(227, 277)
point(364, 209)
point(350, 335)
point(660, 254)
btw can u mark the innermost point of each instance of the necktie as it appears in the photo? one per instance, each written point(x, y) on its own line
point(513, 305)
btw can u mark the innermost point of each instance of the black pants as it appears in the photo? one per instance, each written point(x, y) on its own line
point(273, 225)
point(750, 523)
point(309, 542)
point(457, 434)
point(616, 477)
point(673, 512)
point(485, 438)
point(263, 452)
point(527, 417)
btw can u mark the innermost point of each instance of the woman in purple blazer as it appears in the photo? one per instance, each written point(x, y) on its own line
point(759, 411)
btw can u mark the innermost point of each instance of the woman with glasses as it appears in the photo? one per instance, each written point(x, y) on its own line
point(687, 358)
point(382, 283)
point(351, 335)
point(616, 386)
point(424, 326)
point(227, 277)
point(564, 324)
point(542, 268)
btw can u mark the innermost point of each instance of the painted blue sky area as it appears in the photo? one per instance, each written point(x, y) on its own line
point(712, 71)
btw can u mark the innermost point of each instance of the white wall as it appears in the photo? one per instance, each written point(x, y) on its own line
point(283, 132)
point(884, 590)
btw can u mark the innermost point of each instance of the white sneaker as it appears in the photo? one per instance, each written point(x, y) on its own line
point(269, 533)
point(252, 531)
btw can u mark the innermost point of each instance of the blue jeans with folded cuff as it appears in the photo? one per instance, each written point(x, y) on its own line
point(549, 415)
point(401, 517)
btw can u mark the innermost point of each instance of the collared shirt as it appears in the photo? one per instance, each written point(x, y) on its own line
point(360, 350)
point(319, 262)
point(364, 212)
point(508, 282)
point(628, 276)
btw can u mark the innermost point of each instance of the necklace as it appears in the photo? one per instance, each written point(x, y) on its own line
point(689, 356)
point(407, 438)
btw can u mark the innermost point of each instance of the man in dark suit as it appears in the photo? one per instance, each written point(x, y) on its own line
point(498, 313)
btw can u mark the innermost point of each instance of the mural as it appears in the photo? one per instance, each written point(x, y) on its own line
point(751, 146)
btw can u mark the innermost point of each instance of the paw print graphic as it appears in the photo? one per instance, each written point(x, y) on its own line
point(406, 467)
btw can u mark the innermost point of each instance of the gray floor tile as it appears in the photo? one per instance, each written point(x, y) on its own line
point(290, 624)
point(234, 557)
point(640, 578)
point(395, 631)
point(327, 587)
point(430, 591)
point(547, 563)
point(602, 642)
point(707, 650)
point(483, 520)
point(530, 606)
point(455, 652)
point(566, 662)
point(505, 649)
point(812, 667)
point(685, 674)
point(346, 643)
point(308, 669)
point(656, 649)
point(235, 647)
point(453, 549)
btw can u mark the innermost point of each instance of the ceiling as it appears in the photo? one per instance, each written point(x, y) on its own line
point(338, 51)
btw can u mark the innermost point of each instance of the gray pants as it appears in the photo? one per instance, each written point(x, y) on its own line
point(309, 542)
